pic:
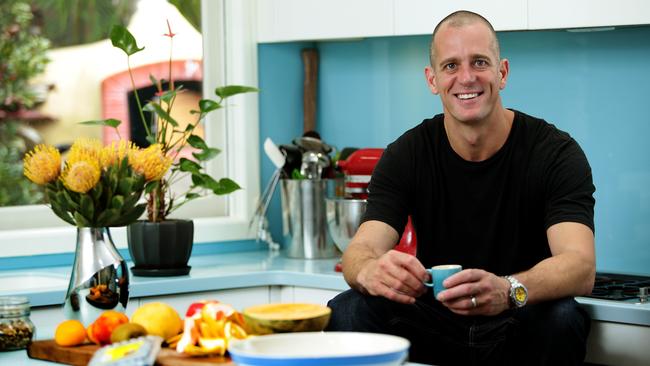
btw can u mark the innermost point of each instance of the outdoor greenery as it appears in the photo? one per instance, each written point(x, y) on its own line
point(74, 22)
point(22, 51)
point(15, 189)
point(23, 55)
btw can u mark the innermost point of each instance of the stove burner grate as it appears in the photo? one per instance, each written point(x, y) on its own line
point(618, 287)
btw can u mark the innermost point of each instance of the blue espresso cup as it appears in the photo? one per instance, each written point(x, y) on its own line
point(439, 274)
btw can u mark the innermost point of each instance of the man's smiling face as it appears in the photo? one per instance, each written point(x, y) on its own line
point(467, 72)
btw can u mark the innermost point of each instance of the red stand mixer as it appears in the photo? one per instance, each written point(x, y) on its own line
point(344, 214)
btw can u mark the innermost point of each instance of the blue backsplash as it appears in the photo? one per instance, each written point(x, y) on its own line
point(590, 84)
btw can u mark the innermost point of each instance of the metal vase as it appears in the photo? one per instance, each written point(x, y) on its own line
point(99, 279)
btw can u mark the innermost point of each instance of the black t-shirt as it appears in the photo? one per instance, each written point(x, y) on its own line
point(491, 214)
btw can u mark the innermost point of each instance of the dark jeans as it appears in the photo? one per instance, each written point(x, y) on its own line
point(551, 333)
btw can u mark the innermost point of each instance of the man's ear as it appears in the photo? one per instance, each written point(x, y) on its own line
point(504, 71)
point(431, 79)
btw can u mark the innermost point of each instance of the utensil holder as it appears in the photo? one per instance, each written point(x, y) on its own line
point(304, 219)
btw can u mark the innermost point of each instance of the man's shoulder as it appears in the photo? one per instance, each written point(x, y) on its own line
point(539, 130)
point(423, 132)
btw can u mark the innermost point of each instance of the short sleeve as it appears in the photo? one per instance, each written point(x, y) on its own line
point(569, 187)
point(389, 189)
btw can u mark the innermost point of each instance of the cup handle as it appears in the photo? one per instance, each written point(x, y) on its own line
point(429, 284)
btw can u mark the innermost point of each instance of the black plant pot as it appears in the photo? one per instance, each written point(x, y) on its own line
point(160, 248)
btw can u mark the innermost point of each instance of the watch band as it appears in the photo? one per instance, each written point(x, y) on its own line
point(518, 292)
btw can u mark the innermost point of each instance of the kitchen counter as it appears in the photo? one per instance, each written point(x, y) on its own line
point(256, 268)
point(244, 270)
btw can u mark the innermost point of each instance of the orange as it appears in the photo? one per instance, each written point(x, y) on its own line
point(70, 333)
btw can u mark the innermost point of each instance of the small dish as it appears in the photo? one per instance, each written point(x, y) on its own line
point(320, 349)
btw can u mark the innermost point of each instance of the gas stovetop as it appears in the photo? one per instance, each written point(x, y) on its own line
point(619, 287)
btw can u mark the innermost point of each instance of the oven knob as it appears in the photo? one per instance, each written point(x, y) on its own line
point(643, 294)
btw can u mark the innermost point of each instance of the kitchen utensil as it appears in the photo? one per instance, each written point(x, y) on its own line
point(310, 87)
point(274, 154)
point(321, 348)
point(313, 164)
point(307, 143)
point(278, 159)
point(293, 158)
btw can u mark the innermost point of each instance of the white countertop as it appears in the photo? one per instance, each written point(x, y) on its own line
point(256, 268)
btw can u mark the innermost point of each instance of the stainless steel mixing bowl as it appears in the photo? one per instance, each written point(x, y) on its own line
point(343, 219)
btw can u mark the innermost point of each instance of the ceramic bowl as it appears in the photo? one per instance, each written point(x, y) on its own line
point(320, 349)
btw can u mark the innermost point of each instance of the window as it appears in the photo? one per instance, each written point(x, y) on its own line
point(229, 57)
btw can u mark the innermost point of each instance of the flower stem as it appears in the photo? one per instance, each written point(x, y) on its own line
point(137, 97)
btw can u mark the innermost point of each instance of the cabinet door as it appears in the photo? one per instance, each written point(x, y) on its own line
point(238, 298)
point(297, 20)
point(421, 16)
point(313, 295)
point(550, 14)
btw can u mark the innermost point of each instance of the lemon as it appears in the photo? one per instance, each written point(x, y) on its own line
point(158, 319)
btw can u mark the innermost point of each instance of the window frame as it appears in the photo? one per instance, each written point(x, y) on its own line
point(229, 57)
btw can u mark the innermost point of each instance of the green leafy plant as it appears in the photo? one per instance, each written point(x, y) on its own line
point(161, 201)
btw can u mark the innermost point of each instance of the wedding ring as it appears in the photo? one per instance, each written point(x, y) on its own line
point(474, 303)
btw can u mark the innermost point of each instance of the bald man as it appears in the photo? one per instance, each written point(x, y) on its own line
point(506, 195)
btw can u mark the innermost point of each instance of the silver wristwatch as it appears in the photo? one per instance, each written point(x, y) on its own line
point(518, 292)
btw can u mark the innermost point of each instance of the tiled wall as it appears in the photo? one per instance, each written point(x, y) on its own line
point(592, 85)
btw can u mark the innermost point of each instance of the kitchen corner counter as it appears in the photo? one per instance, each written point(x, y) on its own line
point(250, 269)
point(618, 328)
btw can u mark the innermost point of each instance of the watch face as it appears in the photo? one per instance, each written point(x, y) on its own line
point(520, 294)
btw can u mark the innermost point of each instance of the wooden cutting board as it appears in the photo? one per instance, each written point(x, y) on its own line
point(80, 355)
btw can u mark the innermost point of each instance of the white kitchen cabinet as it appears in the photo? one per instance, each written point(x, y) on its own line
point(239, 298)
point(557, 14)
point(297, 20)
point(300, 20)
point(421, 16)
point(301, 294)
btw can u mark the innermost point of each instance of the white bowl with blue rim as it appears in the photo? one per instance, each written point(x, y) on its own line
point(320, 349)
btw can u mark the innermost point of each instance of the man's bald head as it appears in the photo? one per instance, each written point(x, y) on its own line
point(460, 19)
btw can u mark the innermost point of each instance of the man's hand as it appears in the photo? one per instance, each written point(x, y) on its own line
point(394, 275)
point(489, 290)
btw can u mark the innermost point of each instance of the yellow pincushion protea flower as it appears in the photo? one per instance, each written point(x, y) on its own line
point(115, 152)
point(150, 162)
point(85, 149)
point(81, 176)
point(43, 164)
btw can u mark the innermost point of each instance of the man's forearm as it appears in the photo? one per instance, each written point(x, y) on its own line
point(354, 259)
point(567, 274)
point(373, 239)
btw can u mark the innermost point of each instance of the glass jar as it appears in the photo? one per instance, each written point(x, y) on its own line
point(16, 329)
